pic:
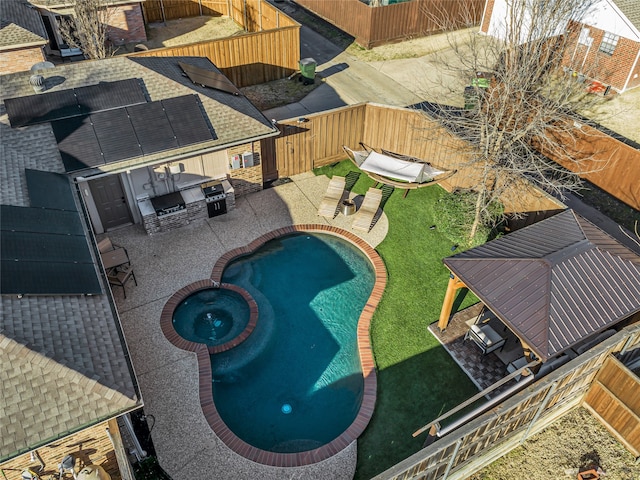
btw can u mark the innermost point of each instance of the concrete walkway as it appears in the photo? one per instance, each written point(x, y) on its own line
point(168, 376)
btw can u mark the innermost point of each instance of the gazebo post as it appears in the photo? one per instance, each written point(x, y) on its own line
point(526, 349)
point(454, 284)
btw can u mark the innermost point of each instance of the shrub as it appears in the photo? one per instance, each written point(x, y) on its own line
point(454, 214)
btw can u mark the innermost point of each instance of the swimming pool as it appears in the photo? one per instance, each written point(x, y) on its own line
point(301, 386)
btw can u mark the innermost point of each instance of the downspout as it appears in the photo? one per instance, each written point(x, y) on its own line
point(164, 18)
point(137, 448)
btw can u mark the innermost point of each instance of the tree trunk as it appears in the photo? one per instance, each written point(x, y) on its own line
point(477, 218)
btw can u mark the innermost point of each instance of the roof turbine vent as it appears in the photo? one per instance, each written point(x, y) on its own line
point(37, 82)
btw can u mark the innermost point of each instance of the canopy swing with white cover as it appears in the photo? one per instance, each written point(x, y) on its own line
point(394, 169)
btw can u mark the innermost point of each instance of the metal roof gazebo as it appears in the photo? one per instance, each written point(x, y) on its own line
point(554, 284)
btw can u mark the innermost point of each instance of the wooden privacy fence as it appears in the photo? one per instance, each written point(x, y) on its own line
point(252, 15)
point(318, 141)
point(606, 162)
point(494, 433)
point(163, 10)
point(269, 53)
point(374, 26)
point(614, 398)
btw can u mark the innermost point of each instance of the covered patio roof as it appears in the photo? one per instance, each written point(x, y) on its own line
point(554, 283)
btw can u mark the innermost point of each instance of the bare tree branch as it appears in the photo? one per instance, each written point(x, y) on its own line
point(526, 93)
point(88, 29)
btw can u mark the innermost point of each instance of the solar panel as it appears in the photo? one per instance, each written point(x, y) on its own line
point(44, 250)
point(128, 132)
point(152, 127)
point(115, 135)
point(110, 95)
point(208, 78)
point(187, 120)
point(50, 106)
point(41, 108)
point(27, 219)
point(77, 143)
point(50, 190)
point(44, 246)
point(48, 278)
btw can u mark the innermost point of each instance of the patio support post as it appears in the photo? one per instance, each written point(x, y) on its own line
point(527, 353)
point(454, 284)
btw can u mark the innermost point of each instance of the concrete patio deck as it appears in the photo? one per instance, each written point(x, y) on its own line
point(187, 447)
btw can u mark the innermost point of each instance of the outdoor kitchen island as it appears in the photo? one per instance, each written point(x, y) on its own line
point(178, 209)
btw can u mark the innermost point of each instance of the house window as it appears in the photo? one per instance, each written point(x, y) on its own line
point(584, 38)
point(609, 42)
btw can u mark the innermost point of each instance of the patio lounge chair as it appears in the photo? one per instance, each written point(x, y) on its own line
point(363, 219)
point(333, 196)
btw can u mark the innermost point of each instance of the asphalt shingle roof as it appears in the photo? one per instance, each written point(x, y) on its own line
point(631, 10)
point(554, 283)
point(20, 25)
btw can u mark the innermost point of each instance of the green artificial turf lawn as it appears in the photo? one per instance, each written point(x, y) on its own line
point(417, 379)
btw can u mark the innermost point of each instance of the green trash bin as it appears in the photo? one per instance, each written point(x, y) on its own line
point(307, 70)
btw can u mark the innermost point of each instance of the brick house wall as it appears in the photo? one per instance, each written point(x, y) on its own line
point(486, 18)
point(126, 24)
point(20, 59)
point(247, 180)
point(635, 75)
point(609, 69)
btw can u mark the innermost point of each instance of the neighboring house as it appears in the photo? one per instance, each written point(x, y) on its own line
point(22, 36)
point(604, 44)
point(102, 138)
point(126, 23)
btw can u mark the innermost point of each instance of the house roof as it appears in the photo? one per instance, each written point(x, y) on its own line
point(233, 118)
point(20, 25)
point(554, 283)
point(631, 10)
point(63, 361)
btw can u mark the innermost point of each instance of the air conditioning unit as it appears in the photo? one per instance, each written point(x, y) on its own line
point(235, 162)
point(247, 159)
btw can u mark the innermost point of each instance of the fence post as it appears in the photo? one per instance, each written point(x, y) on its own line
point(260, 13)
point(245, 15)
point(542, 406)
point(453, 457)
point(277, 19)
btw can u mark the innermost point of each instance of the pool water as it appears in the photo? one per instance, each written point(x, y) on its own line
point(296, 383)
point(211, 316)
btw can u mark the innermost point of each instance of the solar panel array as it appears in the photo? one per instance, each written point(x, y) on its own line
point(208, 78)
point(44, 248)
point(129, 132)
point(47, 107)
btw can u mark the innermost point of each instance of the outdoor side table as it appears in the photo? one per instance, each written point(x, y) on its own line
point(348, 207)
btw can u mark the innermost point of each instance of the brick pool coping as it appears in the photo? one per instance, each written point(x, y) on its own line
point(204, 365)
point(166, 318)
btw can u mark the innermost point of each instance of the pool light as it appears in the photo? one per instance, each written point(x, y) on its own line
point(286, 409)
